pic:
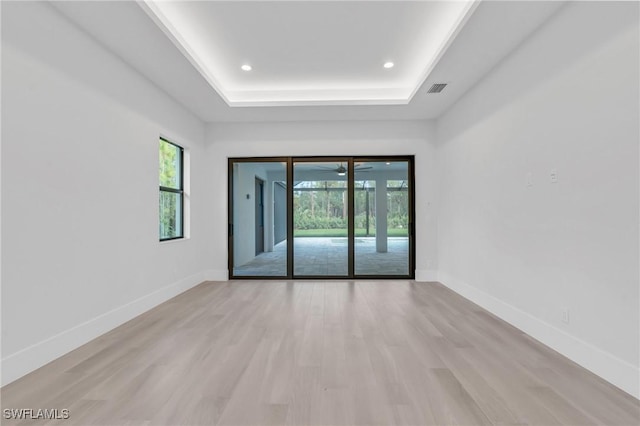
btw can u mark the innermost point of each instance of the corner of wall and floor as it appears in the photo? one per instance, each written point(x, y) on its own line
point(93, 261)
point(538, 206)
point(506, 238)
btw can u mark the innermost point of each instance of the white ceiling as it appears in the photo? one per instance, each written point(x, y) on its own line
point(307, 53)
point(332, 47)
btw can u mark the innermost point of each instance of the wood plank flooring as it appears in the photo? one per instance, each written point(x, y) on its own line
point(319, 353)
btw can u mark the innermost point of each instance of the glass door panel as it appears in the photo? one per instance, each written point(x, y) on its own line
point(258, 197)
point(381, 215)
point(320, 218)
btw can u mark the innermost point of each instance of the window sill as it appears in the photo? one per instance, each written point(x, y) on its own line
point(174, 240)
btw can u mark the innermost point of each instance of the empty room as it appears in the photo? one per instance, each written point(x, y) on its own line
point(320, 212)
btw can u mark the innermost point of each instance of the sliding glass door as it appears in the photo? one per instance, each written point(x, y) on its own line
point(321, 217)
point(258, 217)
point(382, 212)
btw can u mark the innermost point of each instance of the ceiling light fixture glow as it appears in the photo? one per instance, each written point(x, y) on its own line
point(319, 83)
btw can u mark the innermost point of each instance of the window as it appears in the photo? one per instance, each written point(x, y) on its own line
point(171, 191)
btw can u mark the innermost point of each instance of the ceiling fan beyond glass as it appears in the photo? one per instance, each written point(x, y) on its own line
point(341, 170)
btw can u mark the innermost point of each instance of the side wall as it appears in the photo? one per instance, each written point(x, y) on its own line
point(327, 138)
point(528, 249)
point(80, 190)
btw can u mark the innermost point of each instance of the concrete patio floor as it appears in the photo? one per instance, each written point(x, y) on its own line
point(328, 256)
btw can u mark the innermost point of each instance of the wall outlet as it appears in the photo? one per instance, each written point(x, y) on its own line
point(565, 315)
point(553, 176)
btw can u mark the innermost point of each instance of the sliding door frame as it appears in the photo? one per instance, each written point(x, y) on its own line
point(230, 226)
point(350, 228)
point(411, 208)
point(350, 161)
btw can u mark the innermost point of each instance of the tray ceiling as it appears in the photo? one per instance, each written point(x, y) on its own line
point(312, 52)
point(334, 59)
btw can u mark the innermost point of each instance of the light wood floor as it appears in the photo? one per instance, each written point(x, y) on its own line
point(332, 353)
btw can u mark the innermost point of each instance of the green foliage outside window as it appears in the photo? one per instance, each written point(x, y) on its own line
point(171, 190)
point(325, 209)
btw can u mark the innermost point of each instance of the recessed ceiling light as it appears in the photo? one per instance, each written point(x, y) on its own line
point(207, 54)
point(388, 164)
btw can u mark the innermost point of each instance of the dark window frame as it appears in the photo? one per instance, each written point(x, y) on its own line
point(351, 159)
point(179, 190)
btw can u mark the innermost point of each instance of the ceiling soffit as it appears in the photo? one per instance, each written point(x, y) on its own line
point(312, 53)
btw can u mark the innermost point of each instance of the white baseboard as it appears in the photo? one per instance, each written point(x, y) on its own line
point(611, 368)
point(425, 275)
point(616, 371)
point(216, 275)
point(35, 356)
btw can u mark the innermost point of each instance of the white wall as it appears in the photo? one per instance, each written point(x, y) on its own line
point(244, 249)
point(566, 100)
point(327, 138)
point(80, 190)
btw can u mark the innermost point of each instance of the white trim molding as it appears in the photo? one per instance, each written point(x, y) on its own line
point(35, 356)
point(424, 275)
point(216, 275)
point(616, 371)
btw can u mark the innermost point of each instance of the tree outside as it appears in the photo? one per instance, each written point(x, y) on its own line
point(320, 209)
point(170, 202)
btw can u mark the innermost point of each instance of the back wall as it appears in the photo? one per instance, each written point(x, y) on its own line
point(337, 138)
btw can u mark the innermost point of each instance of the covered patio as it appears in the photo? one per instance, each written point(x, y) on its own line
point(317, 256)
